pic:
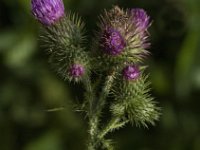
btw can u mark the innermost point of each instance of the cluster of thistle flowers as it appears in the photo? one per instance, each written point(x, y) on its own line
point(123, 40)
point(113, 42)
point(121, 44)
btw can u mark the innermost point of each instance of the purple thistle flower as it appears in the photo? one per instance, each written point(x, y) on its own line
point(76, 70)
point(47, 11)
point(131, 72)
point(112, 41)
point(140, 18)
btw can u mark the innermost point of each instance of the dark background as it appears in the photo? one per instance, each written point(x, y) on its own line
point(29, 89)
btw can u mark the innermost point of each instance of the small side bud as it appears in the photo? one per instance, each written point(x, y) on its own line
point(131, 72)
point(47, 12)
point(76, 71)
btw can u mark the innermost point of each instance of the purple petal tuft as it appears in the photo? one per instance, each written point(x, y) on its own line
point(76, 70)
point(131, 72)
point(112, 41)
point(140, 18)
point(47, 11)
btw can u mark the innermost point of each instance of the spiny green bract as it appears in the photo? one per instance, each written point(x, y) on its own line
point(133, 101)
point(64, 42)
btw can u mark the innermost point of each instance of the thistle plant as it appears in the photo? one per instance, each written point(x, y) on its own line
point(119, 92)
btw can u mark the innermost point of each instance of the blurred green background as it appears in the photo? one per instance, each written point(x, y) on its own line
point(29, 89)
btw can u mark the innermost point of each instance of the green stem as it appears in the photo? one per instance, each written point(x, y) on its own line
point(93, 131)
point(93, 122)
point(105, 92)
point(109, 127)
point(90, 94)
point(95, 108)
point(114, 124)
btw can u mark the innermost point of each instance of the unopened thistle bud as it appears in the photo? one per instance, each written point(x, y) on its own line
point(140, 19)
point(131, 72)
point(64, 43)
point(76, 71)
point(134, 101)
point(112, 41)
point(47, 11)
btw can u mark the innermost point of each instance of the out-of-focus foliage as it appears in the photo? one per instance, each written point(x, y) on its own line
point(35, 105)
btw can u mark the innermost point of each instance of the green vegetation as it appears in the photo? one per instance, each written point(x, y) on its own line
point(35, 103)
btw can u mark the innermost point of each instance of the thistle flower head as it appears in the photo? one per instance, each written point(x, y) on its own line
point(131, 72)
point(76, 70)
point(140, 18)
point(123, 35)
point(47, 11)
point(112, 41)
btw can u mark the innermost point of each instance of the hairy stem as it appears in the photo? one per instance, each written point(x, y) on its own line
point(90, 94)
point(93, 131)
point(93, 120)
point(105, 91)
point(114, 124)
point(109, 127)
point(95, 108)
